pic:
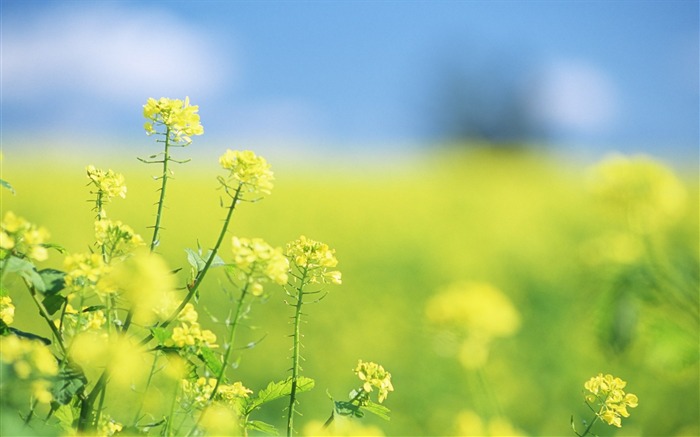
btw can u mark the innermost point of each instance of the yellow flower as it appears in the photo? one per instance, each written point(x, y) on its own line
point(116, 237)
point(248, 171)
point(610, 398)
point(87, 271)
point(22, 238)
point(232, 391)
point(108, 183)
point(373, 375)
point(29, 360)
point(256, 262)
point(180, 119)
point(7, 310)
point(313, 259)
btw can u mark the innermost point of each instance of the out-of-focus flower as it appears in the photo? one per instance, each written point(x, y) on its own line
point(313, 260)
point(7, 310)
point(645, 194)
point(109, 184)
point(22, 238)
point(607, 394)
point(180, 119)
point(372, 376)
point(30, 360)
point(341, 426)
point(469, 423)
point(247, 170)
point(87, 271)
point(256, 262)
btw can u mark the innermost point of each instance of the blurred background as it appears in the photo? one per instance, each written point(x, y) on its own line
point(445, 149)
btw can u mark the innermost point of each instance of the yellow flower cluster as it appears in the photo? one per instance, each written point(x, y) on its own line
point(256, 262)
point(248, 171)
point(190, 333)
point(87, 270)
point(607, 391)
point(373, 375)
point(116, 237)
point(7, 310)
point(30, 359)
point(645, 194)
point(108, 183)
point(313, 260)
point(21, 238)
point(180, 119)
point(199, 392)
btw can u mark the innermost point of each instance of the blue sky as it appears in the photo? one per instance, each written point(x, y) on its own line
point(598, 75)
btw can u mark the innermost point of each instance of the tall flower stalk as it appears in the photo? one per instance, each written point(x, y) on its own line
point(176, 122)
point(607, 400)
point(310, 263)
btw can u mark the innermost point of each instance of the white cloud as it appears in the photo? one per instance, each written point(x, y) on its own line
point(111, 53)
point(576, 95)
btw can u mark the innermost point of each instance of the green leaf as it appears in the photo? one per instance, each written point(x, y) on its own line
point(65, 417)
point(376, 409)
point(54, 280)
point(195, 259)
point(210, 359)
point(53, 303)
point(70, 382)
point(160, 334)
point(7, 185)
point(257, 425)
point(29, 335)
point(276, 390)
point(345, 408)
point(25, 269)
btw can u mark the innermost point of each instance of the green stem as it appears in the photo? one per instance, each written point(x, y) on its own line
point(171, 415)
point(192, 288)
point(145, 391)
point(588, 428)
point(291, 411)
point(161, 199)
point(227, 356)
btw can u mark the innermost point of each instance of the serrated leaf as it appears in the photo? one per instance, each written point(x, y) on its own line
point(210, 359)
point(376, 409)
point(276, 390)
point(53, 303)
point(7, 185)
point(264, 427)
point(54, 280)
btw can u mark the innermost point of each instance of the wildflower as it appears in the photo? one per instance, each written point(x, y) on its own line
point(22, 238)
point(313, 260)
point(197, 392)
point(74, 321)
point(256, 262)
point(108, 183)
point(191, 334)
point(180, 119)
point(248, 171)
point(644, 193)
point(116, 238)
point(233, 391)
point(606, 392)
point(374, 375)
point(7, 310)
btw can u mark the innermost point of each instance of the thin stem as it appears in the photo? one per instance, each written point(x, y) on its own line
point(192, 288)
point(161, 200)
point(291, 411)
point(227, 356)
point(148, 384)
point(171, 415)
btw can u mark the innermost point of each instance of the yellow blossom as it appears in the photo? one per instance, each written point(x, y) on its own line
point(255, 262)
point(22, 238)
point(312, 260)
point(248, 171)
point(180, 119)
point(108, 183)
point(116, 238)
point(30, 360)
point(606, 393)
point(372, 376)
point(7, 310)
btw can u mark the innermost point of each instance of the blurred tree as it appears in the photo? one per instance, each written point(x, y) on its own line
point(484, 102)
